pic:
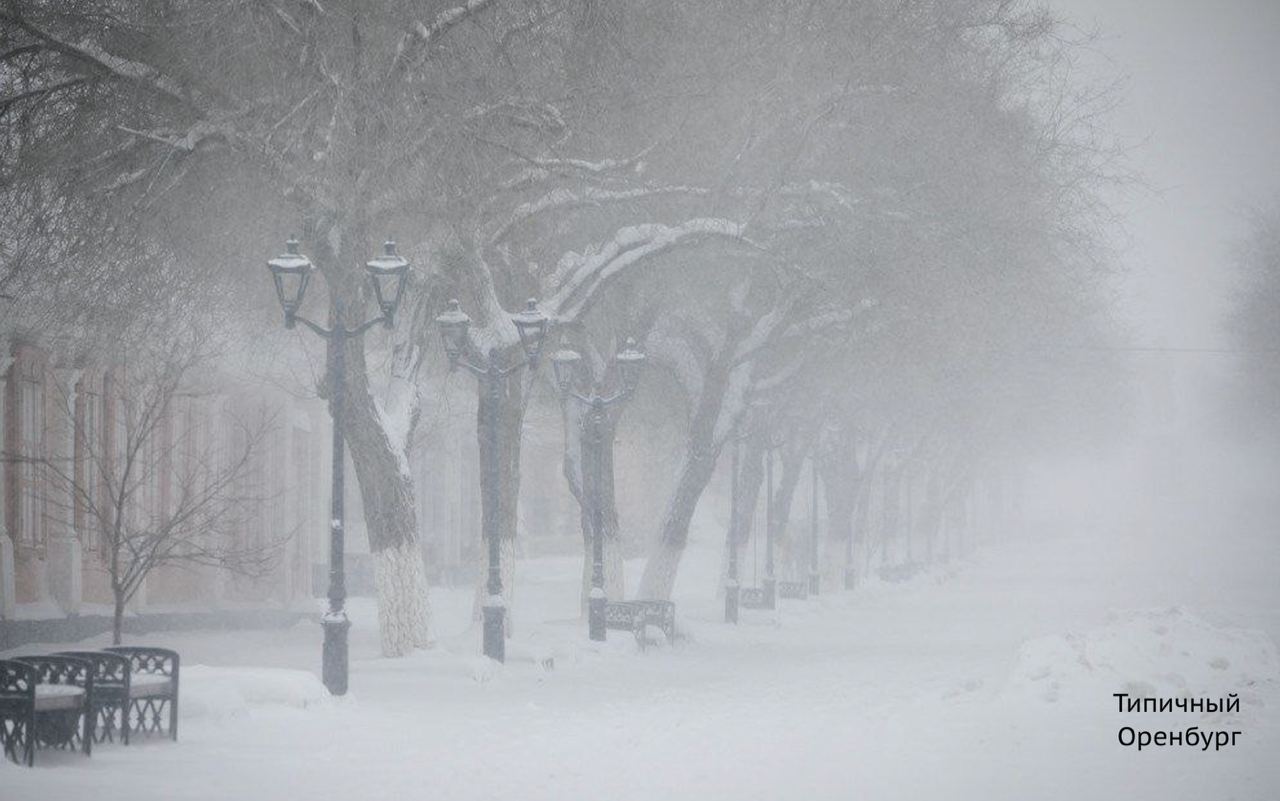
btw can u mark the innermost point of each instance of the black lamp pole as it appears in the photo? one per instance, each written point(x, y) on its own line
point(531, 324)
point(334, 657)
point(732, 587)
point(629, 361)
point(291, 273)
point(599, 597)
point(815, 578)
point(850, 571)
point(770, 582)
point(495, 609)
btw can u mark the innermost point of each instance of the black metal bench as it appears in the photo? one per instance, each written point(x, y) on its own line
point(76, 698)
point(754, 598)
point(622, 616)
point(793, 590)
point(633, 616)
point(45, 701)
point(899, 572)
point(152, 690)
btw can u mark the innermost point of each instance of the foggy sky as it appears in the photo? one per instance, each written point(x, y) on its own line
point(1202, 104)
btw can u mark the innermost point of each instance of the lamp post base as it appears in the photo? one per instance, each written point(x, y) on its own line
point(770, 587)
point(333, 669)
point(595, 616)
point(495, 646)
point(731, 596)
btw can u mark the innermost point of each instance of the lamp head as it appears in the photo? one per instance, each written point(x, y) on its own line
point(564, 363)
point(388, 273)
point(531, 324)
point(291, 272)
point(454, 325)
point(631, 361)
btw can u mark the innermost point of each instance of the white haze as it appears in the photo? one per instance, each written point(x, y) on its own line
point(984, 679)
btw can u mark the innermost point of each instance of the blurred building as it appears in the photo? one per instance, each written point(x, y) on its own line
point(52, 560)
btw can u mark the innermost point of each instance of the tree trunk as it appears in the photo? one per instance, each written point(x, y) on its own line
point(386, 489)
point(838, 465)
point(793, 457)
point(931, 513)
point(117, 620)
point(695, 473)
point(386, 486)
point(742, 517)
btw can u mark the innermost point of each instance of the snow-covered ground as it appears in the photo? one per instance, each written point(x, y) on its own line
point(989, 679)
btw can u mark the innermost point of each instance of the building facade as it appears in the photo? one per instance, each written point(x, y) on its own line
point(63, 437)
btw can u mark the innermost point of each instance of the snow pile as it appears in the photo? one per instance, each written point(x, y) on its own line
point(223, 692)
point(1169, 653)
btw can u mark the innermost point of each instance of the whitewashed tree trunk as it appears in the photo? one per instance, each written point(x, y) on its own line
point(844, 484)
point(404, 613)
point(694, 475)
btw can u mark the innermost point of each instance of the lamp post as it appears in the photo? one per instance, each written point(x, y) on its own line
point(850, 571)
point(531, 325)
point(815, 578)
point(732, 585)
point(565, 363)
point(291, 273)
point(772, 441)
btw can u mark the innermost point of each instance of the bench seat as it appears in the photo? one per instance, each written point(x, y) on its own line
point(143, 685)
point(54, 697)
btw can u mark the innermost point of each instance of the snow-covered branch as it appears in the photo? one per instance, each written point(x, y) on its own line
point(422, 35)
point(186, 141)
point(578, 277)
point(563, 199)
point(104, 64)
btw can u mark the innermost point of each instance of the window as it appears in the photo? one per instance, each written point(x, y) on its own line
point(30, 477)
point(89, 465)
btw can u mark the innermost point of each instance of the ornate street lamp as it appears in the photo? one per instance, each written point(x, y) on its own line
point(388, 273)
point(291, 273)
point(455, 326)
point(563, 364)
point(531, 324)
point(630, 361)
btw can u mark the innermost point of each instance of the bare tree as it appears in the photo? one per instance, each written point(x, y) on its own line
point(151, 489)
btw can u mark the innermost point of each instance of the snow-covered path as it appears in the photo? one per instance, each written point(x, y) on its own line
point(958, 685)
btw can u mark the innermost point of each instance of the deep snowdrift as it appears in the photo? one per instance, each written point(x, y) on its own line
point(990, 678)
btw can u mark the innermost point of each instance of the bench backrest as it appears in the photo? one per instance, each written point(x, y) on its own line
point(108, 668)
point(53, 669)
point(143, 659)
point(17, 679)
